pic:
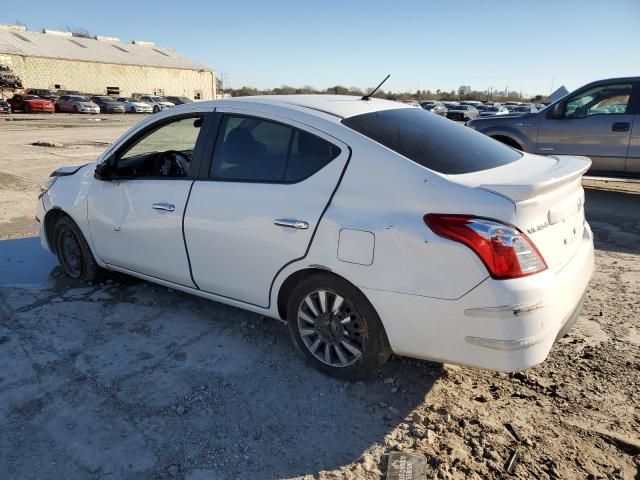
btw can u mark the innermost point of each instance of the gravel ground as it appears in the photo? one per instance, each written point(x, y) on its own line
point(126, 379)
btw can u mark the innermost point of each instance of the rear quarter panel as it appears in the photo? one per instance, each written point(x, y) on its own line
point(388, 195)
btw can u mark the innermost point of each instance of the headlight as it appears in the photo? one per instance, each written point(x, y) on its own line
point(44, 188)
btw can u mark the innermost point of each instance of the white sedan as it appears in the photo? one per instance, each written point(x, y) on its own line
point(370, 226)
point(131, 105)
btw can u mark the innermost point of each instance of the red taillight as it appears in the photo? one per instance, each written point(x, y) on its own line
point(505, 251)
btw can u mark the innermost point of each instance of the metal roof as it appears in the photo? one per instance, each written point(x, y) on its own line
point(35, 44)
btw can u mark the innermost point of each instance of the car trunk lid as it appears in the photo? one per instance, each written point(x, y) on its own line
point(548, 197)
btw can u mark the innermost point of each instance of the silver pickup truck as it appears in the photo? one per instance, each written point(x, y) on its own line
point(600, 120)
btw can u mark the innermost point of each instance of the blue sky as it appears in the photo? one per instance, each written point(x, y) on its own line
point(525, 45)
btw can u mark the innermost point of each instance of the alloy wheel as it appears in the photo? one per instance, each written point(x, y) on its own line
point(331, 328)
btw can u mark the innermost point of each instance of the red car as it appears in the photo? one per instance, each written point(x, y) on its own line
point(31, 103)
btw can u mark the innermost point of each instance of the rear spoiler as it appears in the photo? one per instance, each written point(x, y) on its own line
point(567, 169)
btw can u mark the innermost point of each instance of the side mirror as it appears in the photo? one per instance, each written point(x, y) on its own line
point(104, 171)
point(557, 111)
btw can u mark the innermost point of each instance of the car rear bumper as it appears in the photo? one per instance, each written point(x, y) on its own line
point(504, 325)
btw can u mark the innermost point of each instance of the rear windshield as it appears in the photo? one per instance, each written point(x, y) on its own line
point(433, 141)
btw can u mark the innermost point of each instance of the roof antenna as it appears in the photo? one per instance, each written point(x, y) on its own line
point(368, 95)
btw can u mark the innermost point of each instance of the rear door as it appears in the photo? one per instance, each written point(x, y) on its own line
point(596, 123)
point(258, 204)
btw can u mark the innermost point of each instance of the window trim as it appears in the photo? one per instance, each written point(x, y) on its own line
point(207, 174)
point(633, 107)
point(199, 150)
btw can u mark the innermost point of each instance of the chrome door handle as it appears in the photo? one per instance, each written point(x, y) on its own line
point(164, 206)
point(285, 222)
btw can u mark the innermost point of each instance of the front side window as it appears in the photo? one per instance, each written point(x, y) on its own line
point(602, 100)
point(257, 150)
point(432, 141)
point(165, 151)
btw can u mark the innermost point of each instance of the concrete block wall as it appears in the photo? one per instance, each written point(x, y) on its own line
point(95, 77)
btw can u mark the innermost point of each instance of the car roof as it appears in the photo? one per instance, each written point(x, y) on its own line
point(342, 106)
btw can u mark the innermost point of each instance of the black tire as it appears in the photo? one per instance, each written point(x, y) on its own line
point(156, 109)
point(132, 110)
point(75, 109)
point(74, 253)
point(370, 337)
point(27, 108)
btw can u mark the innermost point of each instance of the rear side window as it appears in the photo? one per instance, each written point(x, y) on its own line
point(434, 142)
point(257, 150)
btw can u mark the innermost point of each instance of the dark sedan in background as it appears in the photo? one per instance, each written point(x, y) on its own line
point(5, 107)
point(43, 93)
point(108, 104)
point(179, 100)
point(462, 113)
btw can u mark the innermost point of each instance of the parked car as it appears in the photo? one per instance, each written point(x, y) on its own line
point(62, 93)
point(5, 107)
point(31, 104)
point(157, 103)
point(370, 226)
point(462, 112)
point(76, 104)
point(490, 111)
point(435, 107)
point(524, 109)
point(596, 120)
point(108, 104)
point(131, 105)
point(179, 100)
point(540, 106)
point(43, 93)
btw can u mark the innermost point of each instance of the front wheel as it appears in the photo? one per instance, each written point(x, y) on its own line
point(74, 253)
point(336, 327)
point(156, 109)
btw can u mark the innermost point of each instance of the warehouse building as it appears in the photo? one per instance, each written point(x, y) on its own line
point(101, 65)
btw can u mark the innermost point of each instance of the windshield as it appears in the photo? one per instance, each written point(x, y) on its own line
point(433, 141)
point(158, 99)
point(78, 98)
point(102, 99)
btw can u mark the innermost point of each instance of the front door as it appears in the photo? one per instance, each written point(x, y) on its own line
point(257, 210)
point(596, 123)
point(135, 218)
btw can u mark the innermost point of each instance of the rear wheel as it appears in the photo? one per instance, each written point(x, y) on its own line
point(74, 253)
point(132, 110)
point(336, 327)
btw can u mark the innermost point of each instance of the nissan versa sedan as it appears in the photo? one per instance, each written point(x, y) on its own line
point(370, 226)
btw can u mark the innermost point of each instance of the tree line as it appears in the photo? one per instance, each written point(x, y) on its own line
point(420, 95)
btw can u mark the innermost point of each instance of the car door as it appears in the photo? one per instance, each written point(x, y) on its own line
point(135, 213)
point(258, 205)
point(595, 122)
point(633, 155)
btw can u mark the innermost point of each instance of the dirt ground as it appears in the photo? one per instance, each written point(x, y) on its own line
point(130, 380)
